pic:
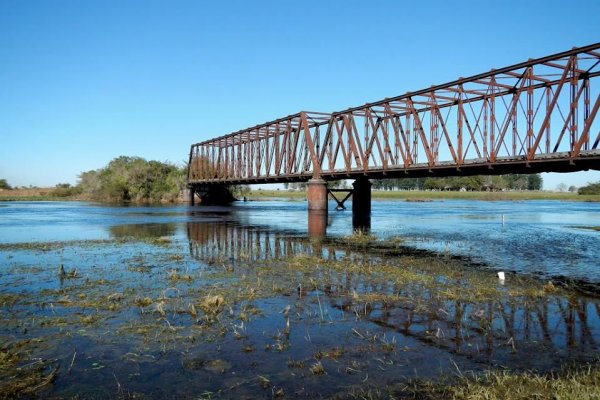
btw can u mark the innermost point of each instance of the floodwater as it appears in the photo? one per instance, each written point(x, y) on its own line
point(237, 302)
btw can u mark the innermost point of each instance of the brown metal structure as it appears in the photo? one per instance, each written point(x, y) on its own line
point(536, 116)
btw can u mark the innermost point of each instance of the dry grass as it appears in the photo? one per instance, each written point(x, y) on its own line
point(423, 195)
point(569, 383)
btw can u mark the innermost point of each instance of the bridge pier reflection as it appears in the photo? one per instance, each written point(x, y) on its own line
point(317, 224)
point(361, 205)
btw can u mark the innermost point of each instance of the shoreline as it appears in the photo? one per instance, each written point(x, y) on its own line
point(45, 194)
point(423, 195)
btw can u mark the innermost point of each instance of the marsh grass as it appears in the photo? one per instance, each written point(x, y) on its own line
point(18, 375)
point(319, 313)
point(570, 382)
point(424, 195)
point(592, 228)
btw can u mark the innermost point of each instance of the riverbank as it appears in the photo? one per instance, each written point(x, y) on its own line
point(50, 194)
point(32, 194)
point(416, 195)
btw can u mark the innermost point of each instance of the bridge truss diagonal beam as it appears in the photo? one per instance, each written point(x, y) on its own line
point(539, 115)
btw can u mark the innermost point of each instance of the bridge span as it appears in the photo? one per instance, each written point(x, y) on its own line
point(535, 116)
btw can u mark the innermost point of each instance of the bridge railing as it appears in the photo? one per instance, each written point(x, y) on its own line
point(540, 113)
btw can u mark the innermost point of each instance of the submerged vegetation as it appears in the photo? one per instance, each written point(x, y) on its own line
point(146, 315)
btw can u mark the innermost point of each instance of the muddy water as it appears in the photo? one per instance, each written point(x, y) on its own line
point(177, 302)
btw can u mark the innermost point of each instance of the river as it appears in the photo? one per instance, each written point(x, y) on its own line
point(101, 301)
point(546, 238)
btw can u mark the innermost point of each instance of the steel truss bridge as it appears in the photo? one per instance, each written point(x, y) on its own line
point(536, 116)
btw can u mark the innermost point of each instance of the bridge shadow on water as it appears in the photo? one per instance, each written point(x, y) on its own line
point(440, 302)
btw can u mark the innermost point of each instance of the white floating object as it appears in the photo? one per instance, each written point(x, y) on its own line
point(501, 276)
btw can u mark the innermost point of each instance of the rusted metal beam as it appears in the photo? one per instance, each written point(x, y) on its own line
point(493, 122)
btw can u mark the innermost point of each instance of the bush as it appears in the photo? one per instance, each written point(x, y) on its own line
point(133, 179)
point(4, 185)
point(65, 190)
point(592, 188)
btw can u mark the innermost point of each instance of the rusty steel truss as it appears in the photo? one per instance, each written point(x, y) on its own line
point(536, 116)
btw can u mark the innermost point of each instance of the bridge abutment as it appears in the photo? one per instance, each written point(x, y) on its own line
point(361, 204)
point(210, 195)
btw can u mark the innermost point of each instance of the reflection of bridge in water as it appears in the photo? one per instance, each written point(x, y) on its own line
point(553, 326)
point(222, 241)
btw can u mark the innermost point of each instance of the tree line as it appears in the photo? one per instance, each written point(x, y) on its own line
point(138, 180)
point(470, 183)
point(133, 179)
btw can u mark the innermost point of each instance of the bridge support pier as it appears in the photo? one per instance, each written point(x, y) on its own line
point(361, 205)
point(215, 194)
point(192, 195)
point(316, 195)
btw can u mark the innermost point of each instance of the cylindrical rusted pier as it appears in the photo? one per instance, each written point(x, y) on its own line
point(317, 207)
point(361, 204)
point(317, 224)
point(317, 195)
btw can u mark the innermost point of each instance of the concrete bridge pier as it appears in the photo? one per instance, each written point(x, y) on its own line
point(215, 194)
point(361, 205)
point(316, 195)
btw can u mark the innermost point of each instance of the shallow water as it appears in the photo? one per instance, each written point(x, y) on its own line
point(297, 318)
point(532, 237)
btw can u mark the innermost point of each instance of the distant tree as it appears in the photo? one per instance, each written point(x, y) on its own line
point(65, 190)
point(572, 189)
point(434, 184)
point(498, 182)
point(591, 188)
point(408, 183)
point(4, 185)
point(240, 190)
point(133, 179)
point(298, 185)
point(382, 184)
point(561, 187)
point(470, 183)
point(535, 182)
point(336, 184)
point(517, 181)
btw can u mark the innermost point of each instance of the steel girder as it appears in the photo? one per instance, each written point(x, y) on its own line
point(539, 115)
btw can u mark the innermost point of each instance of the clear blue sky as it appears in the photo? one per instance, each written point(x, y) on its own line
point(82, 82)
